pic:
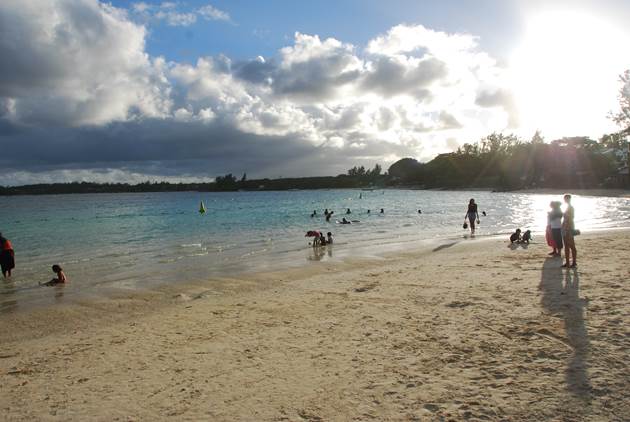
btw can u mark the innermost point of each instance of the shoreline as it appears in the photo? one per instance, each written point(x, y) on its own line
point(605, 192)
point(612, 193)
point(455, 331)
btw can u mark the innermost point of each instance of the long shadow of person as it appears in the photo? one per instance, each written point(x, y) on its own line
point(576, 374)
point(560, 296)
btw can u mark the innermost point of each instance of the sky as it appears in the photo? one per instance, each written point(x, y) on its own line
point(128, 91)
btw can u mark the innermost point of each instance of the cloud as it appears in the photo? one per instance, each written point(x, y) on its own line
point(499, 97)
point(171, 13)
point(211, 13)
point(77, 63)
point(80, 96)
point(389, 76)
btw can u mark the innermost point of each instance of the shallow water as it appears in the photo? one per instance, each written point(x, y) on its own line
point(138, 240)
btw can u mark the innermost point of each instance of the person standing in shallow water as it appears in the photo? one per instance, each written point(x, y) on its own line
point(568, 234)
point(7, 256)
point(472, 215)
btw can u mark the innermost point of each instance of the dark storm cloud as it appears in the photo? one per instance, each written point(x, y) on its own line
point(167, 148)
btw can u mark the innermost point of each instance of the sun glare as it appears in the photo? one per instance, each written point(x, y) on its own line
point(565, 73)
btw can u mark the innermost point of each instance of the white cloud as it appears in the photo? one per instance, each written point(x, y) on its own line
point(173, 15)
point(77, 63)
point(80, 63)
point(173, 18)
point(210, 12)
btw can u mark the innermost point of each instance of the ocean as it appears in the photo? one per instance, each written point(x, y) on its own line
point(139, 240)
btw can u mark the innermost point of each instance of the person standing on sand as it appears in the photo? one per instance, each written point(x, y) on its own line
point(554, 228)
point(7, 256)
point(472, 215)
point(568, 234)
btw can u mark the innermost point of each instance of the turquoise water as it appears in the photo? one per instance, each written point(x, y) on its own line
point(137, 240)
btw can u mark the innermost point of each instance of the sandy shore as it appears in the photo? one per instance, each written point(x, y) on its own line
point(469, 330)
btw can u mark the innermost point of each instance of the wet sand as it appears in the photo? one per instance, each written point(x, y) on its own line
point(467, 330)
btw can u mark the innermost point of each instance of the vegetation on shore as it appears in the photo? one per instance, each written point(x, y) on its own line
point(498, 162)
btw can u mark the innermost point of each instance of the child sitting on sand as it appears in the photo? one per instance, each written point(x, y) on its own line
point(61, 277)
point(516, 236)
point(527, 237)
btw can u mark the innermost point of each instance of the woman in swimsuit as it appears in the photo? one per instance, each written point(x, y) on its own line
point(472, 215)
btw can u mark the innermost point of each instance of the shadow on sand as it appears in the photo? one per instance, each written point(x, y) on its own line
point(560, 296)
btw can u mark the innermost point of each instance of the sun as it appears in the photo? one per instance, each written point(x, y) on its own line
point(565, 73)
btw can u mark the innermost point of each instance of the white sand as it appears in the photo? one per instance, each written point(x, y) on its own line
point(472, 331)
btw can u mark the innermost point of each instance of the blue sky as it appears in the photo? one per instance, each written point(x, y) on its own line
point(191, 89)
point(262, 27)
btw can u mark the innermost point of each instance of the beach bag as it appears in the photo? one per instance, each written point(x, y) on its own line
point(465, 225)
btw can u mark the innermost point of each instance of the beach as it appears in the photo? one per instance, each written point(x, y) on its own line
point(464, 330)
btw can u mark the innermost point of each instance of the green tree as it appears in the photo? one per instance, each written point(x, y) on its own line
point(537, 139)
point(622, 117)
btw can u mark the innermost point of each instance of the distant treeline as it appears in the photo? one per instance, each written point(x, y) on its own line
point(504, 162)
point(222, 183)
point(499, 162)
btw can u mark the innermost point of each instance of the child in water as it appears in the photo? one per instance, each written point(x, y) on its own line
point(61, 277)
point(330, 238)
point(322, 240)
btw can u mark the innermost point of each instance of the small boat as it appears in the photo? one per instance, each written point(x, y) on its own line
point(202, 208)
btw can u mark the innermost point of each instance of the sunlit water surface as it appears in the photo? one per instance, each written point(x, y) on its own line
point(138, 240)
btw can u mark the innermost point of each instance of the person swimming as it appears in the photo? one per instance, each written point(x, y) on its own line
point(314, 213)
point(419, 211)
point(329, 215)
point(330, 238)
point(344, 221)
point(348, 211)
point(382, 211)
point(368, 211)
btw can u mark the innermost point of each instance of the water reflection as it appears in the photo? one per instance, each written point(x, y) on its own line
point(319, 253)
point(8, 302)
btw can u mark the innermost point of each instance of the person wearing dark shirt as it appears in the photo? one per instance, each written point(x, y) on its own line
point(7, 256)
point(472, 215)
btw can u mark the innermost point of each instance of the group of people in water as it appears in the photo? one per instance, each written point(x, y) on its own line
point(7, 263)
point(319, 239)
point(560, 231)
point(560, 234)
point(328, 214)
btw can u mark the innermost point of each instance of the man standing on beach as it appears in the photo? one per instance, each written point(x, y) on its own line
point(568, 234)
